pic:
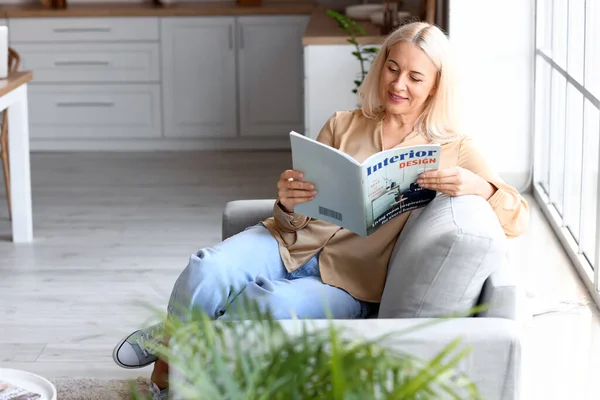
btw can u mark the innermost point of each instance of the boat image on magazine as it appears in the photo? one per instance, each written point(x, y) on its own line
point(362, 197)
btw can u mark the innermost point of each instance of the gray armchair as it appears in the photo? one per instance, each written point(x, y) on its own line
point(450, 256)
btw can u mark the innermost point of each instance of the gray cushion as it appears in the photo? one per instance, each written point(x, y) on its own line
point(241, 214)
point(442, 258)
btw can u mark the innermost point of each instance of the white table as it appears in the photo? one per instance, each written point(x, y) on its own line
point(29, 381)
point(13, 96)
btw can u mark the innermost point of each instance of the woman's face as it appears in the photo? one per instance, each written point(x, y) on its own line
point(408, 78)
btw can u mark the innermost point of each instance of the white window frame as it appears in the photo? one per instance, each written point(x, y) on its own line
point(589, 270)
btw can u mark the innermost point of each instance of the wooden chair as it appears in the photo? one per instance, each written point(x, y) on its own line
point(14, 60)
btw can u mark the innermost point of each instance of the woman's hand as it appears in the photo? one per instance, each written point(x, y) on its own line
point(456, 181)
point(291, 191)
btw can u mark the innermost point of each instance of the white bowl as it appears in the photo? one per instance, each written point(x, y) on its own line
point(377, 17)
point(29, 381)
point(362, 11)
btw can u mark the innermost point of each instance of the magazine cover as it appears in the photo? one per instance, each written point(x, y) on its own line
point(390, 180)
point(9, 391)
point(362, 197)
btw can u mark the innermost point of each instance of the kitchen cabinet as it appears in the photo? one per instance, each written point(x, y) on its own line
point(199, 77)
point(92, 62)
point(163, 83)
point(94, 79)
point(88, 29)
point(111, 112)
point(233, 76)
point(271, 77)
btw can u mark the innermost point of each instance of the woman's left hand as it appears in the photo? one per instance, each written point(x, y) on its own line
point(456, 181)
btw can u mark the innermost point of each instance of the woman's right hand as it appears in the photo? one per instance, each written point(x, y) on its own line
point(291, 190)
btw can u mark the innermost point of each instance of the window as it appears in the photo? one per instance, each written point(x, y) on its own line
point(567, 127)
point(576, 40)
point(592, 47)
point(559, 32)
point(557, 140)
point(544, 26)
point(589, 205)
point(542, 121)
point(573, 171)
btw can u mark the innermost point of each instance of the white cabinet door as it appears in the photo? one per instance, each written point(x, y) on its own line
point(271, 74)
point(199, 76)
point(94, 111)
point(85, 29)
point(91, 62)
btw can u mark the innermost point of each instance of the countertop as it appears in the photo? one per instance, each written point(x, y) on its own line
point(148, 9)
point(321, 29)
point(324, 30)
point(13, 81)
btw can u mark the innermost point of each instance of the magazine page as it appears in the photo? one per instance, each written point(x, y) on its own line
point(337, 180)
point(390, 181)
point(10, 391)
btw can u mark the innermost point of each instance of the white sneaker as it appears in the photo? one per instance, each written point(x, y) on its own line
point(131, 352)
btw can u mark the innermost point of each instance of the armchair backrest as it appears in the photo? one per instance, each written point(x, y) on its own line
point(443, 259)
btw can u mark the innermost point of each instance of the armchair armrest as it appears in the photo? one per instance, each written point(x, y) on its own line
point(494, 362)
point(241, 214)
point(500, 293)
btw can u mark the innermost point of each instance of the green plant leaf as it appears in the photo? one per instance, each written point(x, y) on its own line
point(370, 50)
point(360, 30)
point(254, 358)
point(431, 371)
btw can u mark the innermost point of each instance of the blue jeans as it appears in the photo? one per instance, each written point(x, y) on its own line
point(248, 266)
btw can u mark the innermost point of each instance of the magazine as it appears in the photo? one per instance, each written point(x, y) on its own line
point(362, 197)
point(9, 391)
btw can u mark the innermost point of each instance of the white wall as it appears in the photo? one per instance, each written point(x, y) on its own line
point(494, 41)
point(329, 73)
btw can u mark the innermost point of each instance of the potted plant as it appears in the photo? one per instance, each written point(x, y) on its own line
point(256, 357)
point(364, 54)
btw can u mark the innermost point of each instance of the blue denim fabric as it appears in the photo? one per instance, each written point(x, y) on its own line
point(249, 266)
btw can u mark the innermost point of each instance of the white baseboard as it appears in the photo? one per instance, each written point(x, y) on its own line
point(160, 144)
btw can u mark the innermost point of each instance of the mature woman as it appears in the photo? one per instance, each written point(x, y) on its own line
point(301, 267)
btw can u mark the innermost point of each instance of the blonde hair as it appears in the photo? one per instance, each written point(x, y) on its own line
point(439, 119)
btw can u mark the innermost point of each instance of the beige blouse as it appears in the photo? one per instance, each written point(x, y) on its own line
point(359, 264)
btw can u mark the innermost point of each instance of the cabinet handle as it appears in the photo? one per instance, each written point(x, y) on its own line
point(86, 104)
point(241, 37)
point(82, 30)
point(230, 37)
point(64, 63)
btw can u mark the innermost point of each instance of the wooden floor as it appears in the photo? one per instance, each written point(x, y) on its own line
point(113, 231)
